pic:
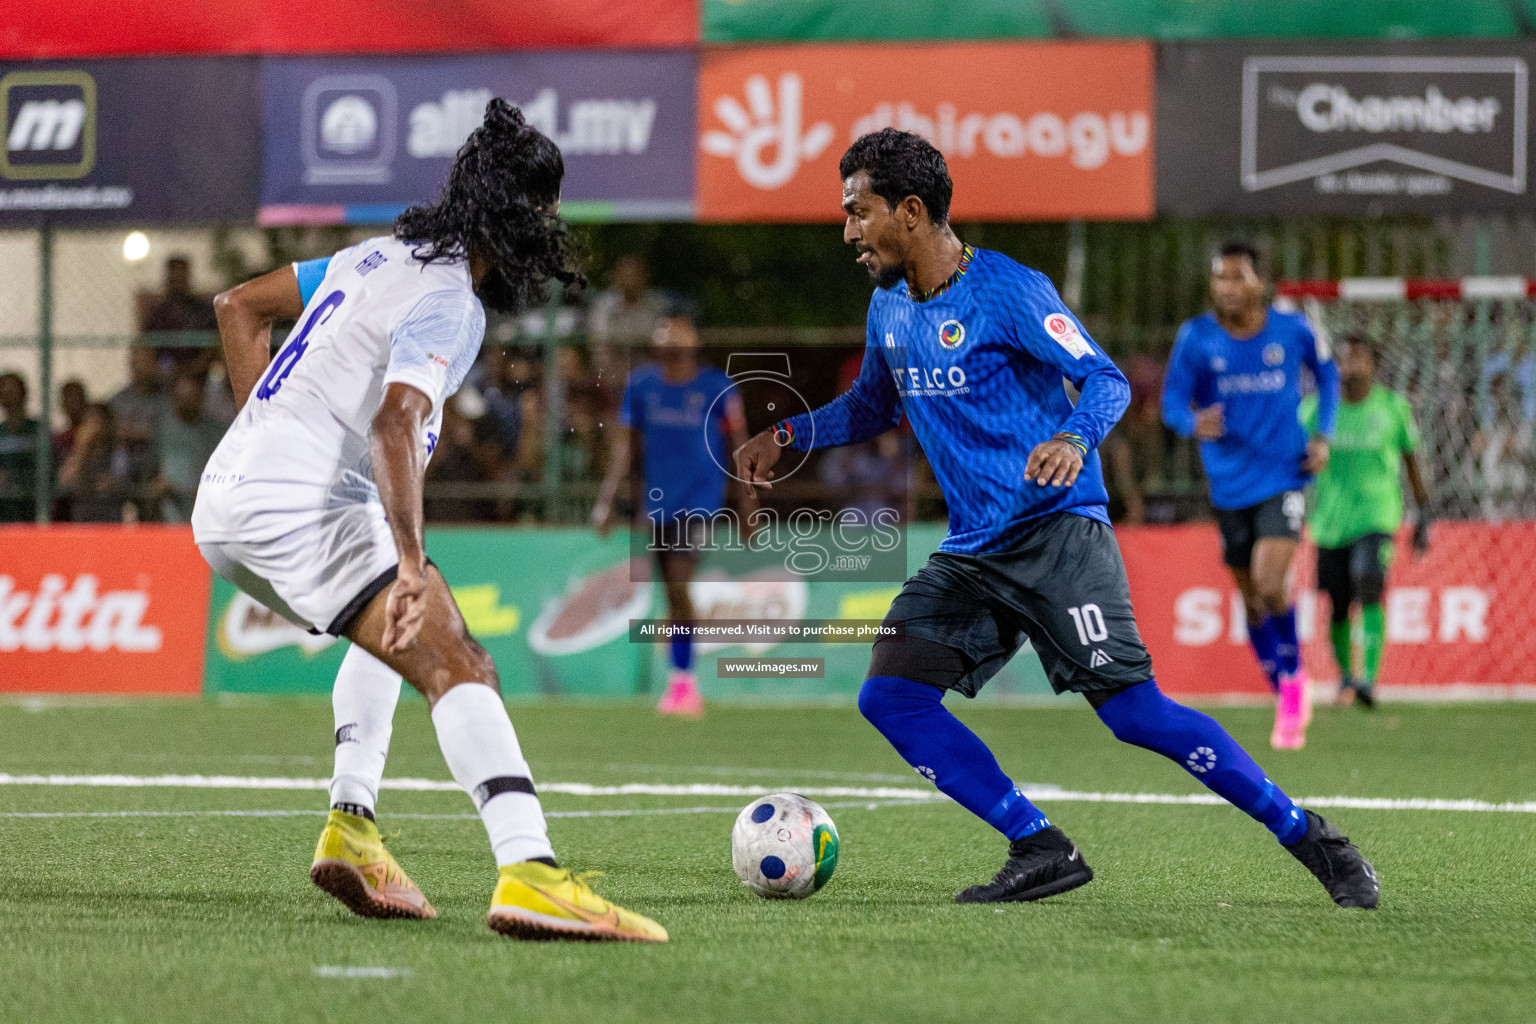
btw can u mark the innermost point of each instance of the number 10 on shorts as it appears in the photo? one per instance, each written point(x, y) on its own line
point(1090, 624)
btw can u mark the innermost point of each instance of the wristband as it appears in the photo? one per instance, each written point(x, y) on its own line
point(784, 433)
point(1072, 439)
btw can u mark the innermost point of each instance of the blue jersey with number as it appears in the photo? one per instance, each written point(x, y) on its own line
point(980, 371)
point(1258, 383)
point(683, 431)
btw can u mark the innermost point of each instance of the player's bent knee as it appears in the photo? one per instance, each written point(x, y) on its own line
point(884, 697)
point(1135, 715)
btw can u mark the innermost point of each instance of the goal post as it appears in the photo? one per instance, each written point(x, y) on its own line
point(1461, 621)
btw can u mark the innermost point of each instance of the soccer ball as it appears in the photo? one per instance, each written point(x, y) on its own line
point(784, 846)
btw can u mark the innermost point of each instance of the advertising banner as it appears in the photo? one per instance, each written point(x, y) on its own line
point(1031, 131)
point(129, 141)
point(1454, 617)
point(101, 609)
point(741, 21)
point(341, 26)
point(554, 608)
point(1354, 129)
point(356, 140)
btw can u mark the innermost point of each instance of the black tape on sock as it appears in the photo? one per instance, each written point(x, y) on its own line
point(502, 784)
point(357, 809)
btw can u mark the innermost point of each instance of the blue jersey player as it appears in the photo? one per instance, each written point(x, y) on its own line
point(1234, 382)
point(973, 348)
point(681, 418)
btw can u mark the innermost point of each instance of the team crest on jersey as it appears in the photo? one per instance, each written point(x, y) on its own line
point(1218, 364)
point(1061, 328)
point(951, 334)
point(1274, 354)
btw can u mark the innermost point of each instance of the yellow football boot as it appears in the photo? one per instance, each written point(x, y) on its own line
point(536, 901)
point(352, 865)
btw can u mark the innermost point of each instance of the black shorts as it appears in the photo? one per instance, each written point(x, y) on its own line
point(1242, 528)
point(1062, 587)
point(1356, 572)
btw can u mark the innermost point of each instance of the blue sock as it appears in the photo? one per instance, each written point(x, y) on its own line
point(1287, 647)
point(682, 652)
point(1262, 637)
point(1146, 718)
point(913, 718)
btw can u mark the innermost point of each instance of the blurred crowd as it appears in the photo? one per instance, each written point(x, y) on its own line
point(137, 455)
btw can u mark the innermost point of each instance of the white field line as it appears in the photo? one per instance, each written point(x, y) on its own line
point(338, 971)
point(436, 785)
point(618, 813)
point(1034, 791)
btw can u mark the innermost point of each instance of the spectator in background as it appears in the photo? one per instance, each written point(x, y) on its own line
point(460, 458)
point(1135, 452)
point(176, 307)
point(137, 411)
point(502, 391)
point(18, 452)
point(185, 441)
point(627, 313)
point(72, 403)
point(95, 477)
point(622, 318)
point(869, 476)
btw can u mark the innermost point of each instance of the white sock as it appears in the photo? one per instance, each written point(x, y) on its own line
point(482, 752)
point(363, 700)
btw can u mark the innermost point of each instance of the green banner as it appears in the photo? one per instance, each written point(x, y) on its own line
point(736, 21)
point(553, 608)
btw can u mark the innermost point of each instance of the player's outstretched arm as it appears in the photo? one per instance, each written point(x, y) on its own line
point(245, 314)
point(621, 450)
point(864, 411)
point(399, 465)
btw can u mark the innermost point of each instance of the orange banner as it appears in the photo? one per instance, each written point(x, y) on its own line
point(1031, 131)
point(1462, 615)
point(102, 609)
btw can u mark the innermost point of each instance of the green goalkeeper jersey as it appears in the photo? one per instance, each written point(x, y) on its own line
point(1359, 492)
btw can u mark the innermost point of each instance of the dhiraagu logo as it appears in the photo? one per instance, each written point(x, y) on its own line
point(50, 125)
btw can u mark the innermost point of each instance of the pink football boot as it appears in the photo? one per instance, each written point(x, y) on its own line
point(1293, 710)
point(682, 697)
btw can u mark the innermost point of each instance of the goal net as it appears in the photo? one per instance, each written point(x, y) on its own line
point(1464, 354)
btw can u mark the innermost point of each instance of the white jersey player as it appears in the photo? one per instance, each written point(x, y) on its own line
point(288, 509)
point(312, 505)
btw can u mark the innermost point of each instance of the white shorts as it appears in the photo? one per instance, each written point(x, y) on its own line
point(321, 572)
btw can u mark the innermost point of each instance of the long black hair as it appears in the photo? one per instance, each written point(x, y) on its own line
point(500, 203)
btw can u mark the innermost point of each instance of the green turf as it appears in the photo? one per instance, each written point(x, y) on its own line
point(1195, 914)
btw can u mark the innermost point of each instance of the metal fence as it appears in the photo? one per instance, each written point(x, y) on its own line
point(1133, 283)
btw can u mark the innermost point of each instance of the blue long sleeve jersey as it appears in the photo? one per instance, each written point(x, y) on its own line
point(1258, 382)
point(978, 370)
